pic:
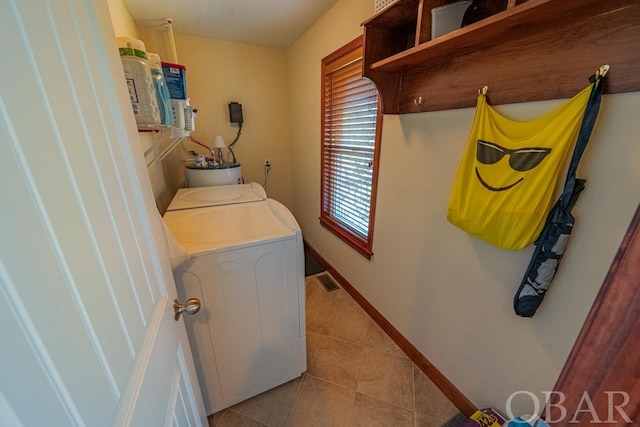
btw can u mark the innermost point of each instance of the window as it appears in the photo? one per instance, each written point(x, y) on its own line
point(351, 125)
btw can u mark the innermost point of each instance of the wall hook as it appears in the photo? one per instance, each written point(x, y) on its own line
point(417, 101)
point(483, 91)
point(603, 70)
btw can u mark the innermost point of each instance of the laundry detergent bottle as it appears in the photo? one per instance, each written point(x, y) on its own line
point(162, 90)
point(142, 92)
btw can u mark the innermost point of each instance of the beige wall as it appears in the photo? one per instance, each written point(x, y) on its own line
point(219, 72)
point(123, 24)
point(165, 176)
point(449, 293)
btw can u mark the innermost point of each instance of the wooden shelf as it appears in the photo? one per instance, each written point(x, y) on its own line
point(540, 49)
point(396, 12)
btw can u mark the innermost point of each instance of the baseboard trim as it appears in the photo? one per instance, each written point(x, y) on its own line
point(457, 398)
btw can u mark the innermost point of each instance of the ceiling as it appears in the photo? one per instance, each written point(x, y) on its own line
point(274, 23)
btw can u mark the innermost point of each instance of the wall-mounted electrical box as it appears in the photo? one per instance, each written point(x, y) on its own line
point(235, 112)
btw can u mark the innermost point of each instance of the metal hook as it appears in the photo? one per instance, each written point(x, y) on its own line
point(483, 91)
point(603, 70)
point(417, 101)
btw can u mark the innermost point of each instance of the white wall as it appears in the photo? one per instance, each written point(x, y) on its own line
point(449, 293)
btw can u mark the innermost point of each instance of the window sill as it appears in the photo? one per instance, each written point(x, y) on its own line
point(356, 243)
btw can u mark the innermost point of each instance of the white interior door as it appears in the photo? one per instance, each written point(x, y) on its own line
point(86, 292)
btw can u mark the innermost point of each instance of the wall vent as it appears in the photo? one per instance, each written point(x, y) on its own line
point(328, 283)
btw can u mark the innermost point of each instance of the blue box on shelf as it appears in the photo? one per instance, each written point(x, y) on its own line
point(176, 77)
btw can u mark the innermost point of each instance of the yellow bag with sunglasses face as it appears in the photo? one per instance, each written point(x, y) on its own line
point(509, 171)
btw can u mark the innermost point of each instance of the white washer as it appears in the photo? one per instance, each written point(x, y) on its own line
point(189, 198)
point(247, 270)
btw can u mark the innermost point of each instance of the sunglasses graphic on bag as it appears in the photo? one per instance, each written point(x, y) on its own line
point(521, 160)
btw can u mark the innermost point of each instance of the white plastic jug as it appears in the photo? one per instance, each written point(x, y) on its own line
point(178, 108)
point(162, 91)
point(139, 82)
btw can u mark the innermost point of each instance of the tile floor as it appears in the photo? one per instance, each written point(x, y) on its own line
point(356, 376)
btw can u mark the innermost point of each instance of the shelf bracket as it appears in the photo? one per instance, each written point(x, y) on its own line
point(161, 135)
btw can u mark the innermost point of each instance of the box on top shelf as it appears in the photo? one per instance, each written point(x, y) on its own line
point(447, 18)
point(175, 75)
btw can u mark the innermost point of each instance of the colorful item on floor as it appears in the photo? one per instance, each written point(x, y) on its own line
point(485, 418)
point(551, 244)
point(509, 172)
point(527, 421)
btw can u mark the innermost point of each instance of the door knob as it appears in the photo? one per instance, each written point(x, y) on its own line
point(192, 306)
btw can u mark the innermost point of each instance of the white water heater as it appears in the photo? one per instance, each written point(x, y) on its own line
point(210, 175)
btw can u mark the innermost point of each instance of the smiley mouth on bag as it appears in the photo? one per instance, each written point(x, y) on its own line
point(489, 187)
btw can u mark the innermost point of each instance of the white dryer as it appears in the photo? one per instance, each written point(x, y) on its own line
point(247, 269)
point(198, 197)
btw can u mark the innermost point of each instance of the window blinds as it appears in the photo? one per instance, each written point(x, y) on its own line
point(349, 141)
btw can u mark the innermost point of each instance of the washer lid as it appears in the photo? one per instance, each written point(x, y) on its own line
point(205, 230)
point(189, 198)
